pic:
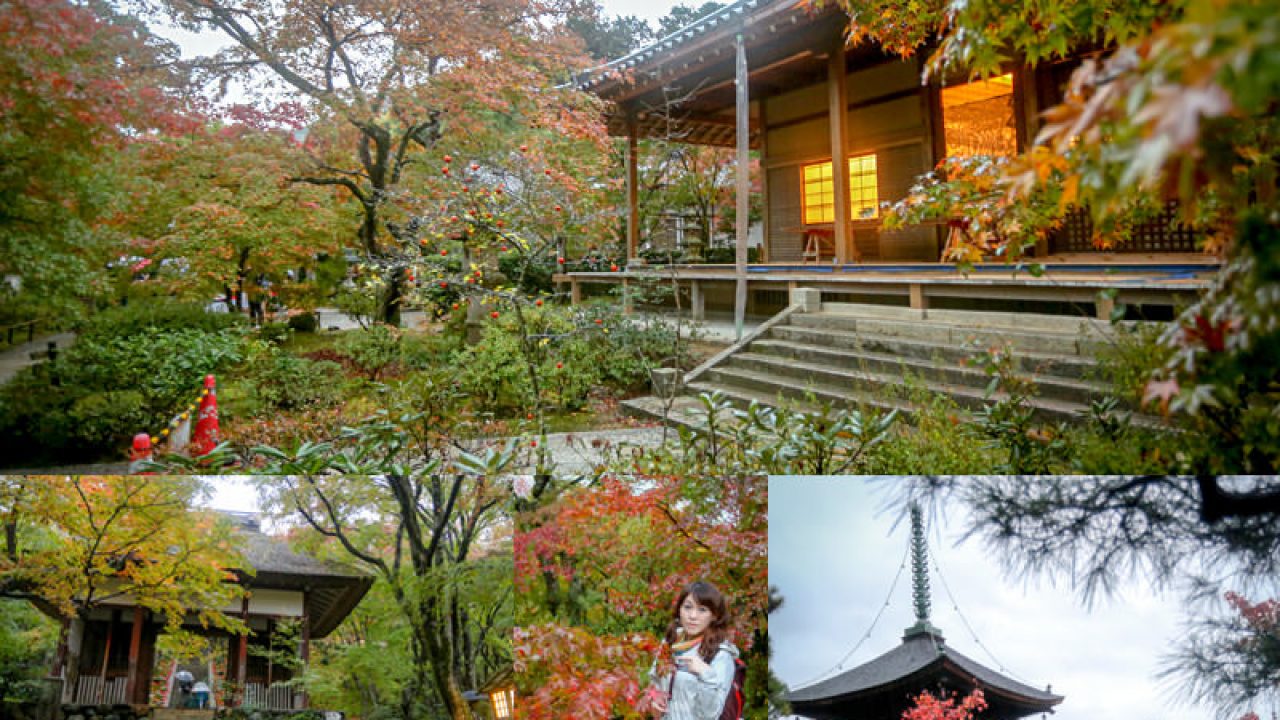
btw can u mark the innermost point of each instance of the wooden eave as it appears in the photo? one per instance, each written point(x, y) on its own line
point(682, 87)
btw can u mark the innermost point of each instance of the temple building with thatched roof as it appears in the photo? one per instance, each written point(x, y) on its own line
point(308, 597)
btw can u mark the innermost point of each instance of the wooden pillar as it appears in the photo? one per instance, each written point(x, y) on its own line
point(838, 113)
point(743, 122)
point(106, 655)
point(762, 127)
point(575, 292)
point(628, 306)
point(633, 191)
point(135, 647)
point(242, 652)
point(304, 643)
point(697, 300)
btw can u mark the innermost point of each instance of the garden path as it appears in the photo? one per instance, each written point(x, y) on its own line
point(17, 357)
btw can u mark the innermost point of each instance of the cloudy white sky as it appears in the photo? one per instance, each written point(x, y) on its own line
point(195, 44)
point(235, 494)
point(833, 556)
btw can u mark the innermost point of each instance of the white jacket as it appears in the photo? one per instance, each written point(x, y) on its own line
point(702, 697)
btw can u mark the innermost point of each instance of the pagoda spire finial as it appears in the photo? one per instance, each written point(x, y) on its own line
point(920, 578)
point(919, 566)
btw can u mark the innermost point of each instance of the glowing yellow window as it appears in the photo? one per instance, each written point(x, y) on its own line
point(864, 193)
point(819, 193)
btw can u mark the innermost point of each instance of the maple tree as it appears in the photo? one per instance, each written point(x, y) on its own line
point(384, 82)
point(212, 210)
point(942, 707)
point(77, 81)
point(597, 571)
point(72, 544)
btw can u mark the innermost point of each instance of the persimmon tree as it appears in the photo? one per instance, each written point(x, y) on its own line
point(598, 571)
point(72, 544)
point(77, 82)
point(383, 82)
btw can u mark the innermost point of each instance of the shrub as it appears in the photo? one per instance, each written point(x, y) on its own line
point(373, 351)
point(1128, 361)
point(284, 382)
point(106, 388)
point(936, 440)
point(138, 316)
point(274, 333)
point(304, 322)
point(536, 277)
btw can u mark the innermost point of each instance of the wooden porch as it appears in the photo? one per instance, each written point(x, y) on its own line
point(1103, 281)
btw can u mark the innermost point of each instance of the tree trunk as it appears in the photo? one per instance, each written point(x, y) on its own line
point(393, 298)
point(75, 639)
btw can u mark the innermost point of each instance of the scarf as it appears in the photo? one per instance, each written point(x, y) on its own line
point(683, 646)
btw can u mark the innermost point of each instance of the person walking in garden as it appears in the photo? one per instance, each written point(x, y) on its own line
point(705, 682)
point(258, 299)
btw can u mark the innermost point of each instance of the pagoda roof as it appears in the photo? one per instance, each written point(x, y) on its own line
point(921, 661)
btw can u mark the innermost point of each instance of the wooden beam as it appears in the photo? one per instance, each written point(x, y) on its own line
point(838, 114)
point(802, 55)
point(135, 647)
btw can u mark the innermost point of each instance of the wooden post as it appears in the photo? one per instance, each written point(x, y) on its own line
point(304, 643)
point(743, 108)
point(762, 127)
point(1104, 306)
point(838, 113)
point(918, 299)
point(242, 653)
point(135, 646)
point(697, 300)
point(633, 191)
point(575, 292)
point(106, 655)
point(628, 305)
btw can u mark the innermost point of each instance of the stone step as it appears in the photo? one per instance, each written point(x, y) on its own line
point(837, 366)
point(850, 393)
point(180, 714)
point(807, 402)
point(1072, 366)
point(945, 334)
point(1036, 322)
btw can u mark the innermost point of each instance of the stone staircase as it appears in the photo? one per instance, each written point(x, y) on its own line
point(884, 357)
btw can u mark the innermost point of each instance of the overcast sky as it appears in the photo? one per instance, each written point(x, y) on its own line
point(833, 556)
point(196, 44)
